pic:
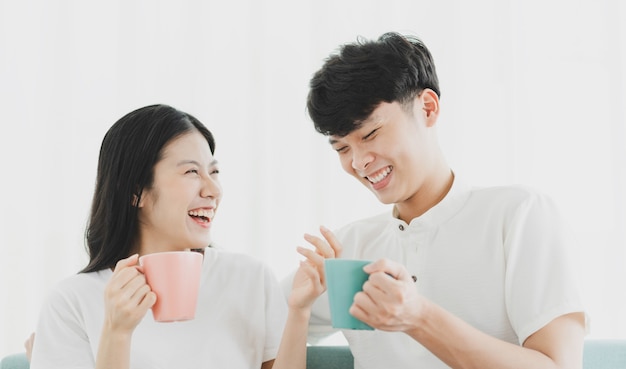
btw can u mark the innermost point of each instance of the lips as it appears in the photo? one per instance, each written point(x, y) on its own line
point(379, 175)
point(201, 215)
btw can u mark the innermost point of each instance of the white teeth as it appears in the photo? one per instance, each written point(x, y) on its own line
point(200, 213)
point(380, 176)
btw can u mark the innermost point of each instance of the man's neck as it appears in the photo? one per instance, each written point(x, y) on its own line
point(427, 197)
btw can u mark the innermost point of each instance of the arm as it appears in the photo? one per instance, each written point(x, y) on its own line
point(308, 284)
point(393, 304)
point(319, 327)
point(127, 299)
point(557, 345)
point(292, 350)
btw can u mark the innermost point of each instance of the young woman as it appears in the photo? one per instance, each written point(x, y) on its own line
point(157, 189)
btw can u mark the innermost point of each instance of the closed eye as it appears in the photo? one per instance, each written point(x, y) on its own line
point(370, 135)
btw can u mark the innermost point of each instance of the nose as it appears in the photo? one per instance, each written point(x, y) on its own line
point(361, 158)
point(211, 188)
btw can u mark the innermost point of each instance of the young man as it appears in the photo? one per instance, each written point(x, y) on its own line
point(494, 287)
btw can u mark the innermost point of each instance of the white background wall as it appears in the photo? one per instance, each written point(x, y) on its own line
point(533, 92)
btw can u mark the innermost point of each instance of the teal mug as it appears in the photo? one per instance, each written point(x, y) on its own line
point(344, 278)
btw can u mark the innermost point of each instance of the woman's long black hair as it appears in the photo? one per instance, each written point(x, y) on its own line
point(128, 154)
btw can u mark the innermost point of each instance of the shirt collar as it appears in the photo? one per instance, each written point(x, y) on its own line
point(445, 209)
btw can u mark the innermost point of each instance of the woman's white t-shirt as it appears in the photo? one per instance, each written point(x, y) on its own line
point(239, 321)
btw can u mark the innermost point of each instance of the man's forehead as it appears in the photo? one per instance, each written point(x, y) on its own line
point(333, 139)
point(377, 117)
point(360, 130)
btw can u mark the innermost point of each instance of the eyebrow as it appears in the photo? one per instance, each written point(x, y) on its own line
point(371, 119)
point(371, 133)
point(332, 141)
point(183, 162)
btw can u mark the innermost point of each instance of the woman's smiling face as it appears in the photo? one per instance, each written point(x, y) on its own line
point(177, 212)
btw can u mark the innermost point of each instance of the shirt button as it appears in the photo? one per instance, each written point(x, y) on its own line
point(401, 227)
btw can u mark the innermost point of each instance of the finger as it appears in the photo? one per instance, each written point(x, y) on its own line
point(315, 260)
point(130, 303)
point(322, 247)
point(391, 268)
point(136, 288)
point(313, 274)
point(384, 281)
point(311, 255)
point(376, 290)
point(131, 260)
point(126, 279)
point(332, 241)
point(123, 271)
point(123, 276)
point(148, 301)
point(362, 306)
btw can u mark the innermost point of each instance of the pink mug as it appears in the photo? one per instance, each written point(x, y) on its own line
point(174, 276)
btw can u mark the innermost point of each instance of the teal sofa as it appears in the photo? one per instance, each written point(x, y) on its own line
point(599, 354)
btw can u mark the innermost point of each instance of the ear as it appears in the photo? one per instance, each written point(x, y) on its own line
point(430, 105)
point(138, 199)
point(135, 201)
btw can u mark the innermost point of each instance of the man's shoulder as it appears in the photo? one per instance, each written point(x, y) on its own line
point(510, 199)
point(372, 224)
point(380, 218)
point(511, 192)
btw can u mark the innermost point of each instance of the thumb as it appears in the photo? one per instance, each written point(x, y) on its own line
point(129, 261)
point(391, 268)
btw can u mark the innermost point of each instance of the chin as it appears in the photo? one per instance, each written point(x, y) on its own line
point(386, 201)
point(201, 244)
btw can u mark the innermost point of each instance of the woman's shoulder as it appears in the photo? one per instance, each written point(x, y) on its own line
point(81, 283)
point(82, 289)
